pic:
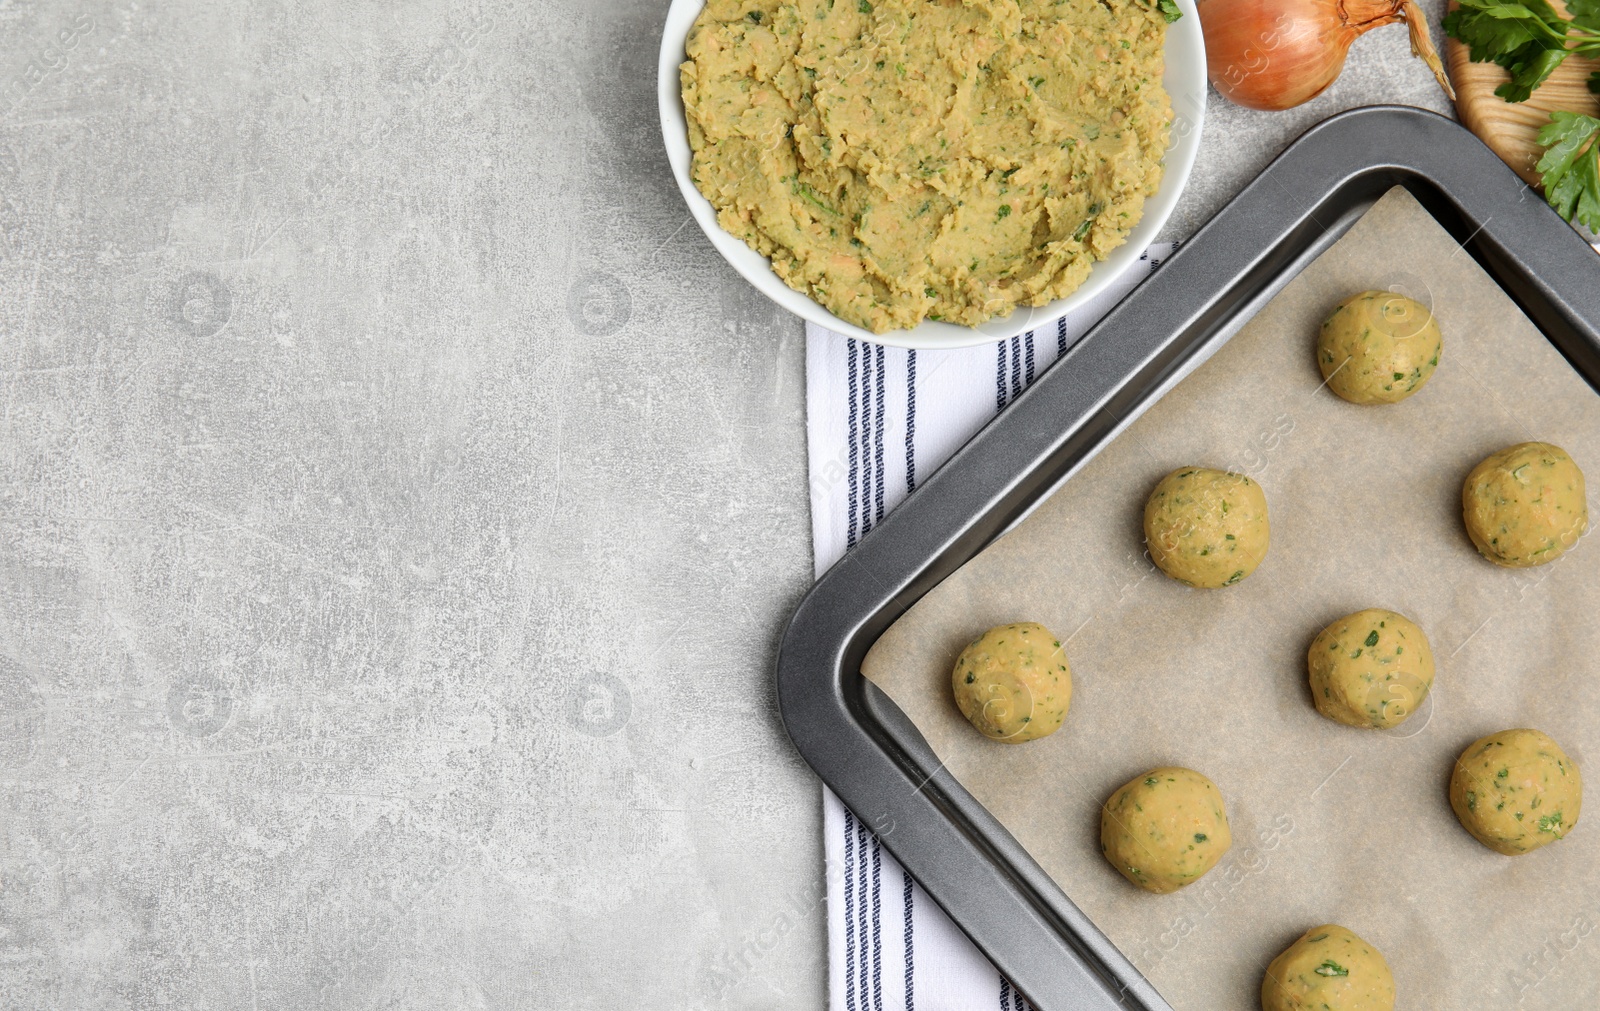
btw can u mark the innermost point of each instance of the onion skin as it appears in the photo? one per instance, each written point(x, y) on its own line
point(1277, 54)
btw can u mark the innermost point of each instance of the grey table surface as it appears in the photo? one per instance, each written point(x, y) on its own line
point(400, 503)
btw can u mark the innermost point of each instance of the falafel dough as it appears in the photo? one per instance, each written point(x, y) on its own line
point(1206, 528)
point(1516, 791)
point(1330, 969)
point(1013, 683)
point(900, 160)
point(1378, 348)
point(1525, 505)
point(1372, 668)
point(1165, 829)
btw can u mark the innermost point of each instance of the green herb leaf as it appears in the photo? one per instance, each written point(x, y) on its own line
point(801, 189)
point(1331, 968)
point(1526, 37)
point(1585, 13)
point(1570, 168)
point(1372, 638)
point(1169, 10)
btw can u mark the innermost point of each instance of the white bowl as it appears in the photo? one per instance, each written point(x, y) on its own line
point(1185, 81)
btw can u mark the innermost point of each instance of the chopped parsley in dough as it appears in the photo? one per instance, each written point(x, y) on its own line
point(1378, 348)
point(1516, 791)
point(1525, 505)
point(1165, 829)
point(1370, 669)
point(1013, 682)
point(1328, 969)
point(1206, 528)
point(928, 159)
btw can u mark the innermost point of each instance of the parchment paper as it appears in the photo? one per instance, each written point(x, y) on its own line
point(1330, 823)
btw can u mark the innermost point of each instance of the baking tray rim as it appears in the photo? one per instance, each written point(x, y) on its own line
point(861, 744)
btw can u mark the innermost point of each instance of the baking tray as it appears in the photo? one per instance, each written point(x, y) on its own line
point(865, 748)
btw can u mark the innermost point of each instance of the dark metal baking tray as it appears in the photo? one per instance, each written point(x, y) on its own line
point(865, 748)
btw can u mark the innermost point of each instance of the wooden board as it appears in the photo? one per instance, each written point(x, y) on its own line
point(1511, 129)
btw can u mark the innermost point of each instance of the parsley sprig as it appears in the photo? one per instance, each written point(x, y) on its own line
point(1526, 37)
point(1530, 40)
point(1570, 167)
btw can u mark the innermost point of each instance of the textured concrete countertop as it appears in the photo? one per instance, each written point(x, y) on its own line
point(400, 502)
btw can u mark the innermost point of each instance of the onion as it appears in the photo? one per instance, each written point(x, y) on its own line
point(1275, 54)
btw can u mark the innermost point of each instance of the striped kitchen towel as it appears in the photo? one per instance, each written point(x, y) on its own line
point(878, 420)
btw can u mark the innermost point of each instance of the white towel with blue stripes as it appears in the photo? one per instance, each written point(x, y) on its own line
point(878, 420)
